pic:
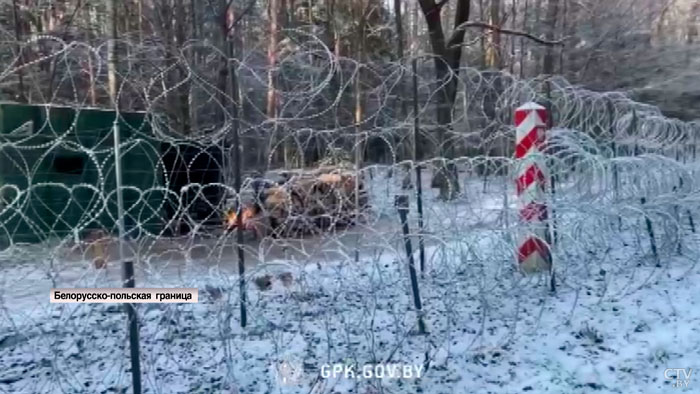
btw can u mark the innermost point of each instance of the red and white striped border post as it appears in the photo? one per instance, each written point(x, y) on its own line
point(531, 184)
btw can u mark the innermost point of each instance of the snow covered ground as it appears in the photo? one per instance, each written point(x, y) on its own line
point(618, 320)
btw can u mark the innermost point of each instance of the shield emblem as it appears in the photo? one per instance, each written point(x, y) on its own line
point(289, 372)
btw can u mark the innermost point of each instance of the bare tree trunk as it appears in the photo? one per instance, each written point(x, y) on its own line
point(523, 47)
point(194, 59)
point(514, 20)
point(552, 13)
point(330, 16)
point(359, 108)
point(660, 26)
point(337, 42)
point(564, 27)
point(140, 21)
point(293, 157)
point(359, 116)
point(196, 31)
point(310, 12)
point(166, 15)
point(692, 30)
point(417, 150)
point(112, 52)
point(447, 61)
point(223, 77)
point(448, 53)
point(183, 94)
point(494, 62)
point(482, 37)
point(18, 49)
point(537, 58)
point(399, 29)
point(90, 67)
point(398, 19)
point(692, 24)
point(493, 53)
point(572, 54)
point(359, 103)
point(273, 13)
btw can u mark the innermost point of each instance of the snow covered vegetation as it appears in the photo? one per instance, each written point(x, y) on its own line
point(464, 217)
point(619, 317)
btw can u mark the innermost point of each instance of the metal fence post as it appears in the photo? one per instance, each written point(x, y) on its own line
point(401, 203)
point(419, 180)
point(127, 265)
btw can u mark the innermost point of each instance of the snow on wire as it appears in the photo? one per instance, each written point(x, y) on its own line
point(619, 168)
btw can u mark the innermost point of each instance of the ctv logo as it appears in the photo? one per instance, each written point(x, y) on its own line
point(679, 376)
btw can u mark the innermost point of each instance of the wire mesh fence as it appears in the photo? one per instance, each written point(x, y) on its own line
point(326, 266)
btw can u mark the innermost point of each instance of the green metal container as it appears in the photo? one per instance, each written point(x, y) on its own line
point(57, 173)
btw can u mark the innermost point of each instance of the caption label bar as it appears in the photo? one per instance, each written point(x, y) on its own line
point(124, 295)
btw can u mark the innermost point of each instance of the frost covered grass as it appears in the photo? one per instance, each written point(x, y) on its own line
point(607, 335)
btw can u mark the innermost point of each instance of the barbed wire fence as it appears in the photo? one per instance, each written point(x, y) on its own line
point(625, 199)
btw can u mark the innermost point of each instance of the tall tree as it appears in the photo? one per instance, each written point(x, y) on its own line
point(493, 51)
point(92, 91)
point(448, 54)
point(523, 41)
point(692, 25)
point(482, 37)
point(661, 23)
point(18, 48)
point(273, 15)
point(514, 25)
point(112, 51)
point(399, 28)
point(537, 58)
point(691, 32)
point(398, 20)
point(551, 22)
point(183, 93)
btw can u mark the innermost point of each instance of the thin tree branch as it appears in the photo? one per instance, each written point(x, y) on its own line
point(484, 25)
